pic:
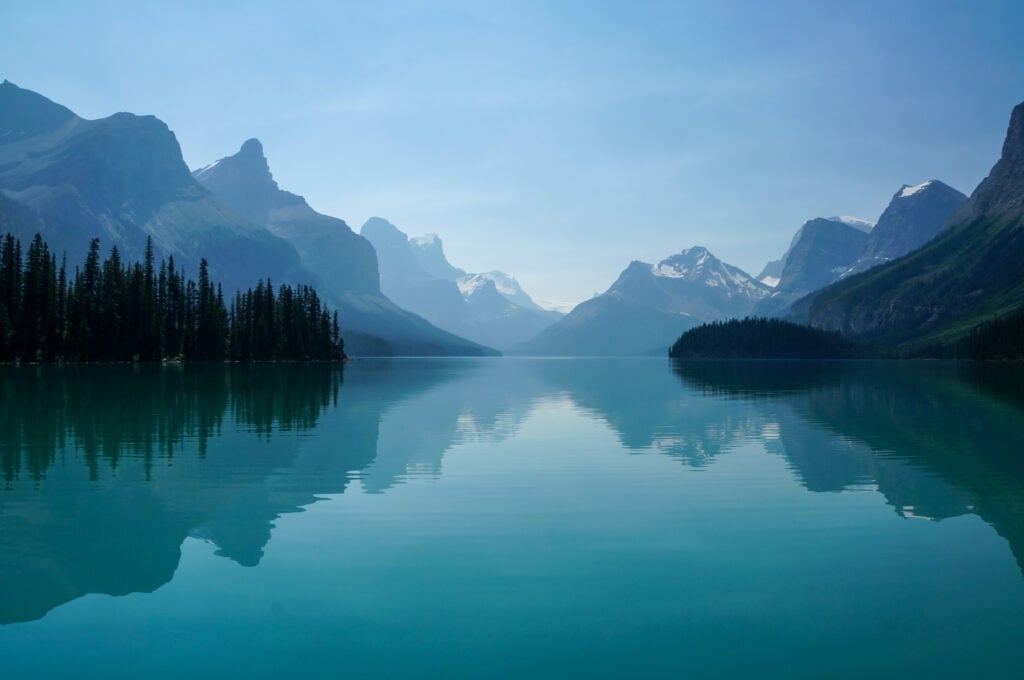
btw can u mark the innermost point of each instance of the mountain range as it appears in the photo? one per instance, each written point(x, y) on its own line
point(934, 266)
point(345, 263)
point(122, 179)
point(649, 306)
point(490, 308)
point(966, 275)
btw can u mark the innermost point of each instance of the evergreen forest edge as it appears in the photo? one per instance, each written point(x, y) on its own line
point(1000, 338)
point(111, 311)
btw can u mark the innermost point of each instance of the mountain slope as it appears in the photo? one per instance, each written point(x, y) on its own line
point(123, 179)
point(344, 262)
point(649, 306)
point(970, 272)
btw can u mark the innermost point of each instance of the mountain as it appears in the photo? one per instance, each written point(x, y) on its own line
point(649, 306)
point(490, 308)
point(821, 250)
point(428, 251)
point(772, 273)
point(123, 179)
point(969, 273)
point(345, 263)
point(914, 216)
point(342, 260)
point(509, 288)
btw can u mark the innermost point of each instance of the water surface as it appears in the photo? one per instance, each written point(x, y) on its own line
point(512, 517)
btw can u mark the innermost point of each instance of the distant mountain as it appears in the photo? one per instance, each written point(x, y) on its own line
point(820, 252)
point(345, 263)
point(508, 288)
point(341, 259)
point(772, 273)
point(649, 306)
point(123, 179)
point(970, 272)
point(914, 216)
point(428, 251)
point(490, 308)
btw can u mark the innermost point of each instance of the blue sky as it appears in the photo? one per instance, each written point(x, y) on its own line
point(556, 141)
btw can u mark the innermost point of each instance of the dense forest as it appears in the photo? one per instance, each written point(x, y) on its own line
point(112, 311)
point(1001, 338)
point(757, 338)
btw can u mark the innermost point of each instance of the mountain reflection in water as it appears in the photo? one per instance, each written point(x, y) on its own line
point(108, 469)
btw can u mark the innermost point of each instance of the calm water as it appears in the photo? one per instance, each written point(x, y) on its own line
point(512, 517)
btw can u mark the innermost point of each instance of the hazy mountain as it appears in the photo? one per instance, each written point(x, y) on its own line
point(344, 262)
point(123, 179)
point(821, 250)
point(649, 306)
point(772, 273)
point(969, 272)
point(490, 308)
point(428, 250)
point(341, 259)
point(508, 288)
point(914, 216)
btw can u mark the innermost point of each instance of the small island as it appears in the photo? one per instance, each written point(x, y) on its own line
point(759, 338)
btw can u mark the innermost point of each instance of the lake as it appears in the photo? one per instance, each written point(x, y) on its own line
point(512, 518)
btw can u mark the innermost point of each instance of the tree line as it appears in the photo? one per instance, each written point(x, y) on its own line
point(759, 338)
point(112, 311)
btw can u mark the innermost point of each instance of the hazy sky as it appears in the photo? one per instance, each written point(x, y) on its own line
point(555, 141)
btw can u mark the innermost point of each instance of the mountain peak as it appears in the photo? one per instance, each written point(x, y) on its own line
point(24, 113)
point(1001, 194)
point(245, 183)
point(913, 217)
point(251, 148)
point(378, 227)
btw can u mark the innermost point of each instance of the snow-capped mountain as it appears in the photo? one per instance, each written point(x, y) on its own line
point(508, 287)
point(825, 250)
point(650, 305)
point(490, 308)
point(913, 217)
point(969, 273)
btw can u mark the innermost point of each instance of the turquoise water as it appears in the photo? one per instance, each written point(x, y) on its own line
point(512, 517)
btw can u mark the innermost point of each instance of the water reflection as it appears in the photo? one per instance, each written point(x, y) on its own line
point(108, 469)
point(938, 440)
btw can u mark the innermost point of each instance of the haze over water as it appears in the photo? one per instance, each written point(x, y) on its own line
point(547, 517)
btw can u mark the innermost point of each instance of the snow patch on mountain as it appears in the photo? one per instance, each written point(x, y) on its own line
point(206, 169)
point(470, 283)
point(556, 305)
point(425, 239)
point(856, 222)
point(909, 191)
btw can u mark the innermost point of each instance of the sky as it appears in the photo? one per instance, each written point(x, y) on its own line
point(555, 141)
